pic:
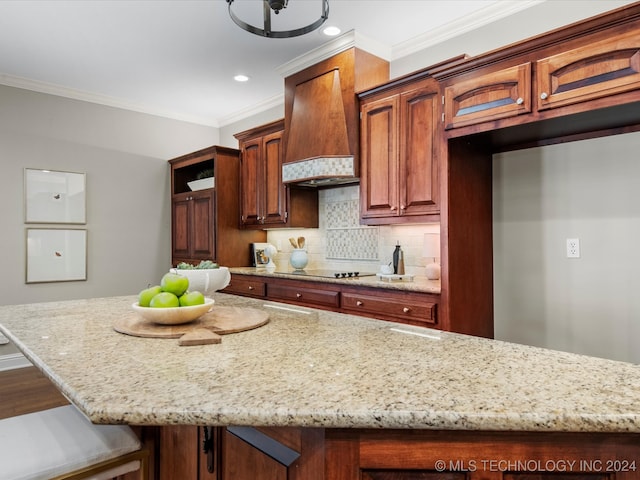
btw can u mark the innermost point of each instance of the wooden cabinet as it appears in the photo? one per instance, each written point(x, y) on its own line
point(491, 96)
point(399, 306)
point(193, 230)
point(399, 161)
point(599, 66)
point(205, 222)
point(247, 286)
point(304, 293)
point(286, 453)
point(604, 68)
point(467, 455)
point(588, 75)
point(250, 455)
point(265, 201)
point(188, 452)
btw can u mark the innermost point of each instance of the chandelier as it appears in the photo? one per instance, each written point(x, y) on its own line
point(276, 6)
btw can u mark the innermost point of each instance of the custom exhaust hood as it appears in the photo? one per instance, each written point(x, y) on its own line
point(322, 124)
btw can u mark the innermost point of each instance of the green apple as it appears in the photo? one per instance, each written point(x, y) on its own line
point(145, 296)
point(174, 283)
point(164, 300)
point(189, 299)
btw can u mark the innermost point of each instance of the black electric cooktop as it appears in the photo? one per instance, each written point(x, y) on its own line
point(328, 273)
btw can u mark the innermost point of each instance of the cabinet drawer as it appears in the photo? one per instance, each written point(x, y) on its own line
point(411, 310)
point(303, 295)
point(603, 68)
point(246, 286)
point(501, 94)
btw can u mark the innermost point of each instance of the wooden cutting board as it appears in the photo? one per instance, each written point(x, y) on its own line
point(203, 330)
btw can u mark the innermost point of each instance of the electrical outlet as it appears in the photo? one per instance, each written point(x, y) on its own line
point(573, 248)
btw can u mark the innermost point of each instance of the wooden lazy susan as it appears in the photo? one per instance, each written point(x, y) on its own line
point(204, 330)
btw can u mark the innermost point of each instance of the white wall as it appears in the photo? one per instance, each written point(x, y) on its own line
point(542, 196)
point(124, 155)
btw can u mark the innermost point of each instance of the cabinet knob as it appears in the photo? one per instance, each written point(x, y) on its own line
point(298, 295)
point(544, 95)
point(359, 303)
point(403, 207)
point(406, 309)
point(250, 287)
point(520, 101)
point(394, 208)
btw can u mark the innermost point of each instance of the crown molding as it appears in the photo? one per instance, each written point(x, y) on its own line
point(272, 102)
point(60, 91)
point(335, 46)
point(461, 26)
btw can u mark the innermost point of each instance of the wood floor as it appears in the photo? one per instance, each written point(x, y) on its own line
point(26, 390)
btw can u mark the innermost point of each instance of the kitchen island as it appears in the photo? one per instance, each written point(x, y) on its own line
point(350, 396)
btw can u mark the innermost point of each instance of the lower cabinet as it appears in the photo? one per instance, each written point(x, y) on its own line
point(188, 452)
point(466, 455)
point(405, 307)
point(304, 293)
point(401, 306)
point(295, 453)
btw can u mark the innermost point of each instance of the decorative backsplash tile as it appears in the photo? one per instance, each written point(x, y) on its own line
point(346, 239)
point(318, 167)
point(345, 214)
point(353, 243)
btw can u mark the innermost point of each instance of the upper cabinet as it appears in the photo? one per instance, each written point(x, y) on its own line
point(399, 145)
point(605, 68)
point(204, 218)
point(575, 70)
point(491, 96)
point(264, 200)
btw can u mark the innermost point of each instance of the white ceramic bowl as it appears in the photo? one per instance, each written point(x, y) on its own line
point(174, 315)
point(206, 280)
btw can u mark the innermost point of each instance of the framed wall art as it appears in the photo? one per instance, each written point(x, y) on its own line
point(54, 197)
point(56, 255)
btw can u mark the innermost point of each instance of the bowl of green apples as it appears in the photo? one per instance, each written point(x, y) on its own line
point(172, 302)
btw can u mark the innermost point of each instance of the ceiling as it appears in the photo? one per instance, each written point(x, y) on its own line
point(176, 58)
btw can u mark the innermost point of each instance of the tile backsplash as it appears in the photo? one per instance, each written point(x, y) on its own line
point(341, 243)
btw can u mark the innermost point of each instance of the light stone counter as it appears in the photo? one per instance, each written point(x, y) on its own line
point(419, 284)
point(315, 368)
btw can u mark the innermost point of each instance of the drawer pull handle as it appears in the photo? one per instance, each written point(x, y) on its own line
point(406, 309)
point(359, 303)
point(298, 295)
point(250, 287)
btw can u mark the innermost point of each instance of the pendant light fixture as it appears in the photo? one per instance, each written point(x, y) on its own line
point(276, 6)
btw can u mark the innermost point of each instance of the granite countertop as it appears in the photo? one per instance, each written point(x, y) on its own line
point(315, 368)
point(419, 283)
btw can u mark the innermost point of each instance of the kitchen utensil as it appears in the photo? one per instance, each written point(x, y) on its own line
point(293, 242)
point(301, 242)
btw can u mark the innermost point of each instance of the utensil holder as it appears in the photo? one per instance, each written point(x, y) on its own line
point(299, 258)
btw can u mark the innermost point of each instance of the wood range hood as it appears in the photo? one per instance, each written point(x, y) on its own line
point(322, 132)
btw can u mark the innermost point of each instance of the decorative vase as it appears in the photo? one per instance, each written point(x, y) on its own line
point(299, 258)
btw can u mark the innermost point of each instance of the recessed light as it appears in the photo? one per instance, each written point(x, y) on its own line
point(241, 78)
point(331, 31)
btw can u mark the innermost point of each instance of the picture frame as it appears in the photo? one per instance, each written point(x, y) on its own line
point(56, 255)
point(259, 259)
point(53, 196)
